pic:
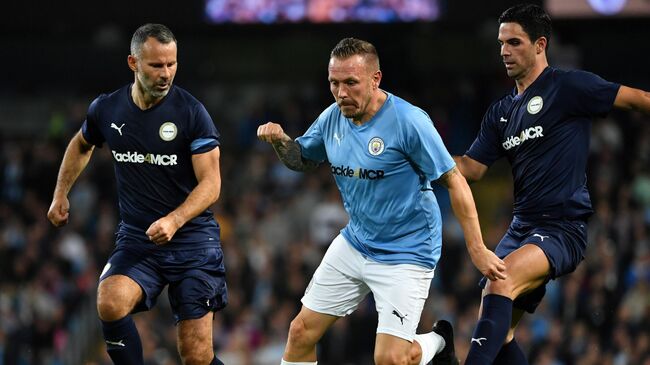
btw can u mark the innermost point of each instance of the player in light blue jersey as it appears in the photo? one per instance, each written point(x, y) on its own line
point(384, 154)
point(542, 127)
point(166, 156)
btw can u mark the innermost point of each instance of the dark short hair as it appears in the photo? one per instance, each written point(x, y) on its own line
point(163, 34)
point(349, 47)
point(532, 18)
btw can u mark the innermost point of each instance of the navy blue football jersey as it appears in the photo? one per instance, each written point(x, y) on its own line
point(544, 133)
point(152, 153)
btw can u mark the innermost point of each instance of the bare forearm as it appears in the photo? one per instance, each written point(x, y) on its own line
point(201, 198)
point(462, 203)
point(288, 152)
point(75, 160)
point(633, 99)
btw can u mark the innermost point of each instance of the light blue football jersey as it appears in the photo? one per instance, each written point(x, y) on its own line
point(383, 170)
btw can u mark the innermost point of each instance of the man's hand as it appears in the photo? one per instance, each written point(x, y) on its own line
point(489, 264)
point(161, 231)
point(59, 212)
point(272, 133)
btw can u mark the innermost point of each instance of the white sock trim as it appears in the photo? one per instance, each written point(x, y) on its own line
point(283, 362)
point(431, 344)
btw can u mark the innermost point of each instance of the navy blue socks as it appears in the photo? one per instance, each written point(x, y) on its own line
point(123, 342)
point(491, 330)
point(511, 354)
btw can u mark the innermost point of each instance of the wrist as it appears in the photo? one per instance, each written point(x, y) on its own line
point(178, 220)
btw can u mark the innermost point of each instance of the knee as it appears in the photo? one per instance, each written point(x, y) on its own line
point(111, 307)
point(299, 335)
point(391, 357)
point(415, 354)
point(501, 287)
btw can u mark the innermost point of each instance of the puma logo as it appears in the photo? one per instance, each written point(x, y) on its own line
point(540, 236)
point(338, 139)
point(401, 318)
point(119, 129)
point(118, 343)
point(478, 340)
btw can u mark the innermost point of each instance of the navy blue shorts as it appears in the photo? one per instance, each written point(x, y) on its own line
point(196, 277)
point(563, 241)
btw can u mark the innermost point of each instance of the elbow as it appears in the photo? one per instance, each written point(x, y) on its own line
point(472, 177)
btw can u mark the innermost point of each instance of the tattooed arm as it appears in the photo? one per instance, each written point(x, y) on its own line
point(288, 150)
point(462, 203)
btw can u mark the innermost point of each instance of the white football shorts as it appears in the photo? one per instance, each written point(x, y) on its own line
point(345, 277)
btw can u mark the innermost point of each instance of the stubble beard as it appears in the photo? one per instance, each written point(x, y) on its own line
point(149, 90)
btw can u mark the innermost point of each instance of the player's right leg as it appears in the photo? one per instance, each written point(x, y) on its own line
point(128, 284)
point(527, 268)
point(546, 250)
point(117, 295)
point(335, 290)
point(510, 352)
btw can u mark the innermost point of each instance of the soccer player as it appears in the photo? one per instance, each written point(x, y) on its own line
point(542, 127)
point(384, 153)
point(166, 154)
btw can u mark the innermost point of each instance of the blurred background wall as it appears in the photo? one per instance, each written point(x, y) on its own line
point(56, 57)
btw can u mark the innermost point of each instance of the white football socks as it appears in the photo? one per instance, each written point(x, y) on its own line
point(431, 344)
point(297, 363)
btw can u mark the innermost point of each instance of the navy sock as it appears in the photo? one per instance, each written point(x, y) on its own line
point(216, 361)
point(511, 354)
point(491, 330)
point(123, 342)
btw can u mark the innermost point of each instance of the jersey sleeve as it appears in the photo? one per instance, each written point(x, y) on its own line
point(89, 129)
point(589, 94)
point(204, 134)
point(424, 147)
point(312, 145)
point(486, 147)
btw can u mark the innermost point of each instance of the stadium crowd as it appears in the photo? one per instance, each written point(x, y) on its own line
point(276, 225)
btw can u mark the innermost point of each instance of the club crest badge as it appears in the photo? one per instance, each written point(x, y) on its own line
point(535, 105)
point(168, 131)
point(376, 146)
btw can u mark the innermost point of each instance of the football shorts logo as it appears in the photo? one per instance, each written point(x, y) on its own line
point(478, 340)
point(106, 268)
point(168, 131)
point(535, 105)
point(401, 317)
point(376, 146)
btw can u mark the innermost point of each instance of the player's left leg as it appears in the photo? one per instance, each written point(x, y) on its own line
point(392, 350)
point(527, 268)
point(195, 341)
point(400, 292)
point(435, 347)
point(195, 294)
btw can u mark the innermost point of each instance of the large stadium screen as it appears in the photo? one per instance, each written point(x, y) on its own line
point(598, 8)
point(320, 11)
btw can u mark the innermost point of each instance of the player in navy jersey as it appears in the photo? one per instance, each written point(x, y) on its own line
point(542, 127)
point(384, 154)
point(166, 156)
